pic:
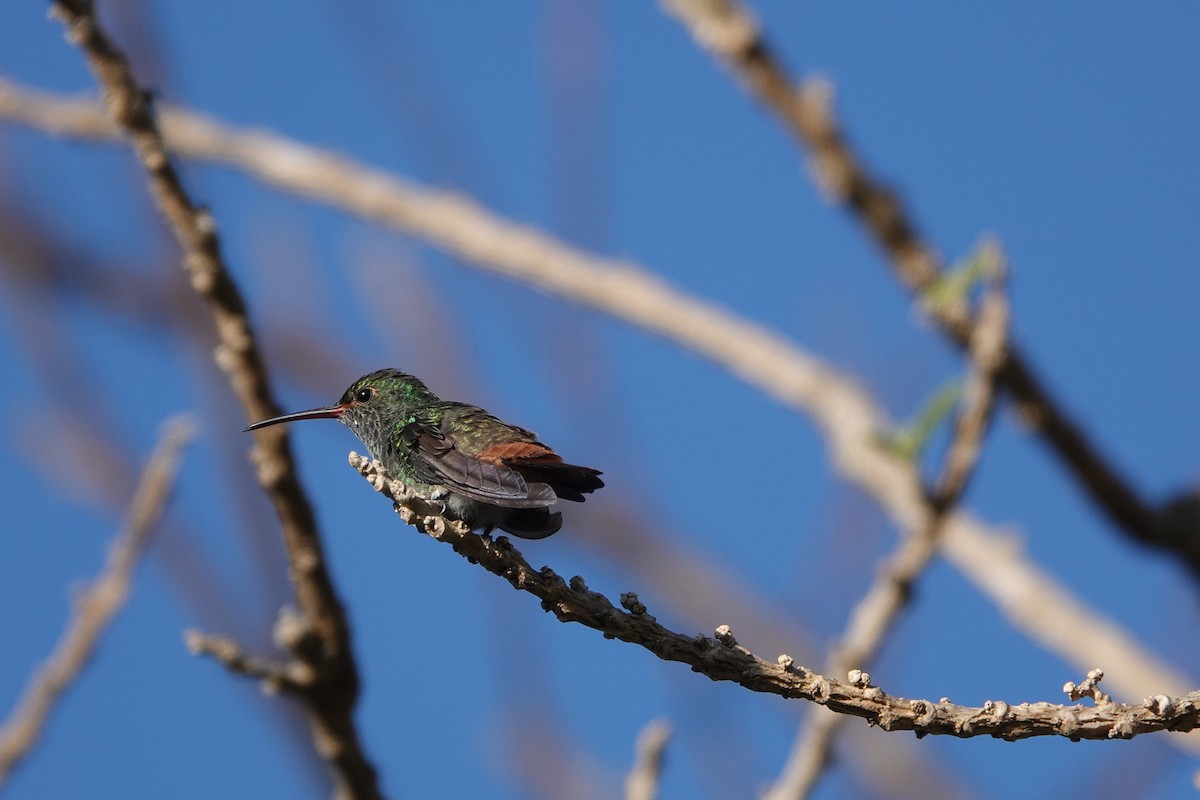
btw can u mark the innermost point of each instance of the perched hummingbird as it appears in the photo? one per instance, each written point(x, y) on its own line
point(488, 473)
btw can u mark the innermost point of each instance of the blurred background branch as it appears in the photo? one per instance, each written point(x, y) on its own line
point(99, 604)
point(649, 754)
point(333, 691)
point(612, 139)
point(728, 30)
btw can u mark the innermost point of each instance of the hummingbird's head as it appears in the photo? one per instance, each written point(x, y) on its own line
point(374, 403)
point(370, 407)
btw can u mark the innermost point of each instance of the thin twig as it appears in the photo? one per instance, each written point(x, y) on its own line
point(229, 654)
point(891, 592)
point(642, 781)
point(721, 658)
point(330, 700)
point(96, 607)
point(989, 346)
point(729, 32)
point(847, 416)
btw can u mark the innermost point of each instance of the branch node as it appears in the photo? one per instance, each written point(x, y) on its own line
point(719, 25)
point(205, 222)
point(1122, 729)
point(1159, 704)
point(293, 633)
point(1089, 688)
point(631, 603)
point(407, 515)
point(725, 636)
point(434, 526)
point(925, 711)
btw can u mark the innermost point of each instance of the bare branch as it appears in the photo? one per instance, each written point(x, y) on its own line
point(729, 32)
point(330, 700)
point(847, 416)
point(642, 781)
point(721, 658)
point(96, 608)
point(891, 592)
point(989, 346)
point(229, 654)
point(621, 288)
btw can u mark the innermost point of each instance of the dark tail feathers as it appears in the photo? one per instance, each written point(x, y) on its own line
point(568, 481)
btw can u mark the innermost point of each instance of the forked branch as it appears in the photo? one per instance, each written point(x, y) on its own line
point(331, 697)
point(728, 31)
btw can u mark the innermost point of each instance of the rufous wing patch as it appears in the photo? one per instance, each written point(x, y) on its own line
point(520, 452)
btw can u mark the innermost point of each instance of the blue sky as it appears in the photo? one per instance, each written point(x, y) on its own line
point(1068, 132)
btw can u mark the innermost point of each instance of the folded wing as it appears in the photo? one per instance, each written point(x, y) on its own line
point(477, 455)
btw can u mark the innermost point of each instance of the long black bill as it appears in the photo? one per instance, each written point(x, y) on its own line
point(333, 412)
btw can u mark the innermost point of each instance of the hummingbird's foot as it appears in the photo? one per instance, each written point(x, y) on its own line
point(436, 496)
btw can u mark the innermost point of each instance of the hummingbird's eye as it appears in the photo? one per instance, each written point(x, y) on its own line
point(364, 395)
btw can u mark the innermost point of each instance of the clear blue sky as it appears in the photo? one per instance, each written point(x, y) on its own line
point(1069, 132)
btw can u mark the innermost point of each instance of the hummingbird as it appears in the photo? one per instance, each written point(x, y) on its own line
point(486, 472)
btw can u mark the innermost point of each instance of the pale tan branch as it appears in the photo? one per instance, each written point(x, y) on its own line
point(727, 30)
point(846, 415)
point(96, 608)
point(721, 658)
point(649, 753)
point(621, 288)
point(331, 700)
